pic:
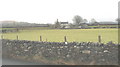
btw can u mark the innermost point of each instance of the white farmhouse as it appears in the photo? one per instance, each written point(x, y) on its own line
point(64, 25)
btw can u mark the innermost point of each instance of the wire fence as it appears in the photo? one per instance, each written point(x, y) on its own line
point(65, 39)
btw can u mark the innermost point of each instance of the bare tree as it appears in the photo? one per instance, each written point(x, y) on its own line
point(77, 20)
point(85, 20)
point(118, 20)
point(93, 20)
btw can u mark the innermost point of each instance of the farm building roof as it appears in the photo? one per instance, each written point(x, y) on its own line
point(63, 22)
point(107, 22)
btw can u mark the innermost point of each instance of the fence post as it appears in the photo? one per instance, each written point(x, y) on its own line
point(65, 39)
point(17, 37)
point(40, 38)
point(99, 39)
point(1, 36)
point(46, 39)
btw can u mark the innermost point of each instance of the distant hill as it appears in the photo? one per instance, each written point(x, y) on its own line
point(14, 24)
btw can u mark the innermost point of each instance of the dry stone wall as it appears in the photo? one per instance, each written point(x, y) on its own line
point(61, 53)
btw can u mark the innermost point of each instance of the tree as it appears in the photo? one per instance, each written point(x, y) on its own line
point(77, 20)
point(118, 20)
point(57, 24)
point(51, 26)
point(85, 20)
point(93, 20)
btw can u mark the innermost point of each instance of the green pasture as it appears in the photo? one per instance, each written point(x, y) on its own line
point(57, 35)
point(35, 28)
point(7, 28)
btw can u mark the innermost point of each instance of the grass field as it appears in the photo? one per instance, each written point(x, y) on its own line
point(57, 35)
point(7, 28)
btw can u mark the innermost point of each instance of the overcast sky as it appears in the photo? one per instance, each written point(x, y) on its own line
point(47, 11)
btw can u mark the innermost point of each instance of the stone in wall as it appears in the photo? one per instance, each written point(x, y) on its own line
point(84, 52)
